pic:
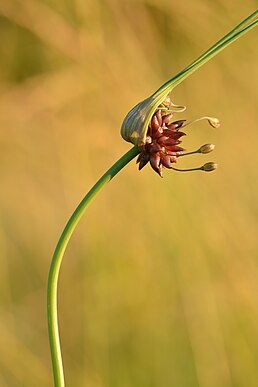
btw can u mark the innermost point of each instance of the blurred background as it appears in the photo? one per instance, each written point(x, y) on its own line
point(159, 284)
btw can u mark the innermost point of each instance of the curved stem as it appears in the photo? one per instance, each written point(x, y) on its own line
point(57, 260)
point(242, 28)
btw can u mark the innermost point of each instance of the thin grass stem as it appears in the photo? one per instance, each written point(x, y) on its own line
point(242, 28)
point(55, 347)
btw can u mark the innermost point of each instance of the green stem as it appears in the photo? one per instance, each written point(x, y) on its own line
point(57, 260)
point(242, 28)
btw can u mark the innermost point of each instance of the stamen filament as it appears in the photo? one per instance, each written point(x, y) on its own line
point(189, 153)
point(187, 170)
point(207, 167)
point(214, 122)
point(178, 108)
point(204, 149)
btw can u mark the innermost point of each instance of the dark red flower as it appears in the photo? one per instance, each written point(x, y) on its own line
point(162, 143)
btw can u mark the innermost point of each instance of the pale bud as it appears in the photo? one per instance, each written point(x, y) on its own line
point(207, 148)
point(209, 167)
point(135, 125)
point(214, 122)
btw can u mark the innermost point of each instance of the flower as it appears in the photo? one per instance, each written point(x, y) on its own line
point(161, 148)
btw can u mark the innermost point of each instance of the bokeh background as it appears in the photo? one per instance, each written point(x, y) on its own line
point(159, 285)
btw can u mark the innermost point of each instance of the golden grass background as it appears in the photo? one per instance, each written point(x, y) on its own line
point(159, 284)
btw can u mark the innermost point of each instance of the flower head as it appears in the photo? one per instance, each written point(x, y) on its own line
point(162, 142)
point(161, 148)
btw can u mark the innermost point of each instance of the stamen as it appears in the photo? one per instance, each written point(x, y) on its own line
point(208, 167)
point(206, 148)
point(214, 122)
point(188, 153)
point(178, 108)
point(187, 170)
point(172, 108)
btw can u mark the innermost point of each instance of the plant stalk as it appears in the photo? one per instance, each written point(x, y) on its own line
point(242, 28)
point(157, 98)
point(55, 347)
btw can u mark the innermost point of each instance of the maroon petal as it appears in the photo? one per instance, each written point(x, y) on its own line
point(155, 163)
point(143, 160)
point(178, 134)
point(139, 158)
point(158, 133)
point(165, 160)
point(176, 124)
point(173, 153)
point(155, 148)
point(175, 148)
point(166, 118)
point(154, 125)
point(169, 132)
point(173, 133)
point(171, 141)
point(162, 139)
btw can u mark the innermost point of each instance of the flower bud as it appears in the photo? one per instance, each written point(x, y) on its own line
point(207, 148)
point(209, 167)
point(214, 122)
point(135, 125)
